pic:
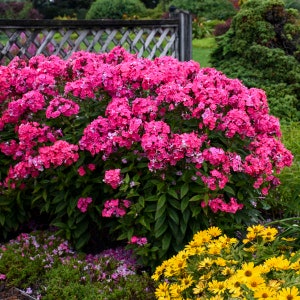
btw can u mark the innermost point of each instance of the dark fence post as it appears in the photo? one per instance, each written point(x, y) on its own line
point(184, 32)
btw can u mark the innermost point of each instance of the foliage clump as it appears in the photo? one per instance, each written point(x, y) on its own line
point(208, 9)
point(116, 9)
point(262, 49)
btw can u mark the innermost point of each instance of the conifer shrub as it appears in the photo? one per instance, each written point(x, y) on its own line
point(262, 49)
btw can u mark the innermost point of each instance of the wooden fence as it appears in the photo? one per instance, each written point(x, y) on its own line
point(147, 38)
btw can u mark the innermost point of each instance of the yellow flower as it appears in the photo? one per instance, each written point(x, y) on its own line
point(269, 234)
point(186, 282)
point(217, 287)
point(214, 248)
point(288, 294)
point(162, 291)
point(220, 262)
point(214, 231)
point(255, 282)
point(200, 286)
point(175, 291)
point(202, 237)
point(277, 263)
point(158, 272)
point(234, 285)
point(228, 271)
point(248, 270)
point(275, 284)
point(264, 293)
point(206, 263)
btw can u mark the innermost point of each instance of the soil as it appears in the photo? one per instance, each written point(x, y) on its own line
point(13, 294)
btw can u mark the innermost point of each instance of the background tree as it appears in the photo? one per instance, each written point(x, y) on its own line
point(209, 9)
point(262, 49)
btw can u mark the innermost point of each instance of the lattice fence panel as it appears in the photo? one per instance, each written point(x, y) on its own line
point(146, 42)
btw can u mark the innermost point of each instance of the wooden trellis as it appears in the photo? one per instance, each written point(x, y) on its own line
point(147, 38)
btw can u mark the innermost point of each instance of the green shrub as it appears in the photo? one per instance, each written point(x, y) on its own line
point(115, 9)
point(284, 201)
point(262, 49)
point(209, 9)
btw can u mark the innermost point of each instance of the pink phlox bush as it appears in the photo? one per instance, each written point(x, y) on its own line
point(159, 131)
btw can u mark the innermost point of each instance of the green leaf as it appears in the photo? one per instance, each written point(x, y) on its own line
point(173, 215)
point(184, 203)
point(83, 240)
point(60, 207)
point(173, 193)
point(145, 223)
point(2, 219)
point(184, 190)
point(166, 241)
point(161, 230)
point(81, 229)
point(160, 222)
point(229, 190)
point(174, 227)
point(59, 224)
point(196, 198)
point(174, 203)
point(161, 206)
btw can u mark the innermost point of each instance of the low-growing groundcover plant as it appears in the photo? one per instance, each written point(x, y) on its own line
point(114, 148)
point(46, 267)
point(216, 266)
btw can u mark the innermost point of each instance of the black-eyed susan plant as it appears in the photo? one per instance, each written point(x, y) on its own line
point(215, 266)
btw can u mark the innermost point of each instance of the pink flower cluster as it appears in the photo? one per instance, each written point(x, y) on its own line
point(218, 204)
point(115, 207)
point(113, 178)
point(166, 112)
point(140, 241)
point(83, 204)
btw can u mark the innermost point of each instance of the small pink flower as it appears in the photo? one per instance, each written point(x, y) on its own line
point(140, 241)
point(2, 277)
point(81, 171)
point(91, 167)
point(83, 204)
point(113, 178)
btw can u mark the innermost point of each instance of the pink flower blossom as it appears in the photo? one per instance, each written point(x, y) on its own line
point(83, 204)
point(81, 171)
point(2, 277)
point(115, 207)
point(140, 241)
point(113, 178)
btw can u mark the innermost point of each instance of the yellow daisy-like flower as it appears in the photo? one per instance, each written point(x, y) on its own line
point(186, 282)
point(158, 272)
point(274, 284)
point(162, 291)
point(192, 249)
point(202, 237)
point(290, 293)
point(277, 263)
point(248, 271)
point(269, 234)
point(206, 263)
point(199, 287)
point(227, 271)
point(255, 282)
point(234, 285)
point(214, 248)
point(175, 291)
point(214, 231)
point(217, 287)
point(220, 262)
point(264, 293)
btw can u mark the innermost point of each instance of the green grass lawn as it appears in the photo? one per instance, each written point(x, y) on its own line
point(201, 50)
